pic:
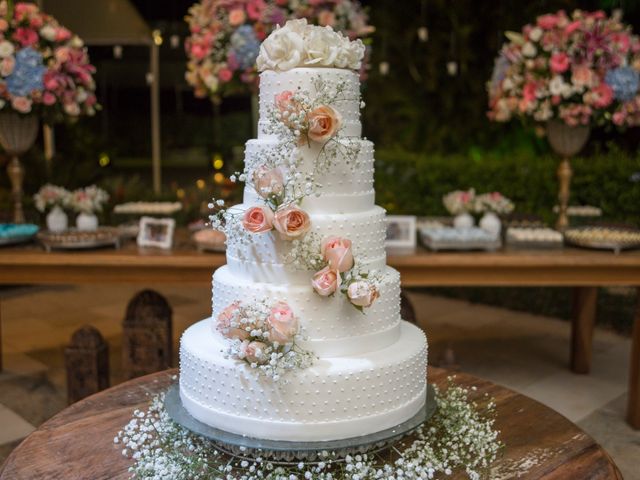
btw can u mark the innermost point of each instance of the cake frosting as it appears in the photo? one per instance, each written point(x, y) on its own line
point(305, 342)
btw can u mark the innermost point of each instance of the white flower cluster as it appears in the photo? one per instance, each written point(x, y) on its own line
point(459, 437)
point(494, 202)
point(89, 199)
point(51, 195)
point(460, 201)
point(305, 254)
point(298, 44)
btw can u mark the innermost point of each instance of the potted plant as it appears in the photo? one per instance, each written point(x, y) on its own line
point(53, 199)
point(461, 204)
point(87, 201)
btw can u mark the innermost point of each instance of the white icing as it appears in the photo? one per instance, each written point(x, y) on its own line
point(338, 397)
point(322, 318)
point(273, 83)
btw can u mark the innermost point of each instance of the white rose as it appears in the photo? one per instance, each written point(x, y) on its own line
point(322, 47)
point(535, 34)
point(284, 49)
point(48, 33)
point(76, 42)
point(529, 50)
point(6, 49)
point(556, 85)
point(355, 54)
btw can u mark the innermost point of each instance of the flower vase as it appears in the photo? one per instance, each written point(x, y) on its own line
point(566, 141)
point(490, 222)
point(57, 220)
point(463, 221)
point(87, 222)
point(17, 135)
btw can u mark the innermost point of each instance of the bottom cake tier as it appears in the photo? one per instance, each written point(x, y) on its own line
point(336, 398)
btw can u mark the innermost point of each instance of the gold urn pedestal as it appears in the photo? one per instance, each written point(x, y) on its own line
point(566, 141)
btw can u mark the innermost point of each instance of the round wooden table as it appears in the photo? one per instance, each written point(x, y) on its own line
point(78, 443)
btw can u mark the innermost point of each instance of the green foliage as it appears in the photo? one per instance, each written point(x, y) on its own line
point(413, 183)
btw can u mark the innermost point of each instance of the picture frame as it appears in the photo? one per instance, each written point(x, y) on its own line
point(401, 232)
point(156, 232)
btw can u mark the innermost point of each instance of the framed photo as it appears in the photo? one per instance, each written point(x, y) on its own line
point(401, 232)
point(156, 232)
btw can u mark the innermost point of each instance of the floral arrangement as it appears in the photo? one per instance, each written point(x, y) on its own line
point(43, 66)
point(51, 196)
point(582, 69)
point(466, 201)
point(494, 202)
point(460, 437)
point(299, 44)
point(265, 336)
point(225, 36)
point(88, 200)
point(460, 201)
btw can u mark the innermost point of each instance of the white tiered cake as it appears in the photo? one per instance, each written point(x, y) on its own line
point(306, 269)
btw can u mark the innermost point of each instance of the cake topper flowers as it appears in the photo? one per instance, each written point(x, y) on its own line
point(582, 69)
point(43, 67)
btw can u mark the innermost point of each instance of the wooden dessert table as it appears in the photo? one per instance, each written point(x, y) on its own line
point(78, 442)
point(583, 269)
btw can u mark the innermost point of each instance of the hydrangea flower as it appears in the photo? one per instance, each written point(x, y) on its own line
point(245, 46)
point(624, 82)
point(27, 74)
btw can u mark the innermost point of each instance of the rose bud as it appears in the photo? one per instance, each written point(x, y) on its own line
point(362, 293)
point(326, 282)
point(337, 252)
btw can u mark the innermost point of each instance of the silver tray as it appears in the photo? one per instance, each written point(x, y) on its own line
point(616, 247)
point(286, 451)
point(103, 237)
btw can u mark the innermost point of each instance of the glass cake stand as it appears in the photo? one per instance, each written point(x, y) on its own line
point(284, 451)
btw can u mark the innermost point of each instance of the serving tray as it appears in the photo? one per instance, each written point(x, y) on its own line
point(80, 240)
point(598, 238)
point(285, 451)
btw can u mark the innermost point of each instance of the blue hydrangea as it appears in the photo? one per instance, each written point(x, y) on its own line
point(27, 73)
point(624, 81)
point(245, 46)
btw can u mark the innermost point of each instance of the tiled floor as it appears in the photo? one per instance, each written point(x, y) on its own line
point(522, 351)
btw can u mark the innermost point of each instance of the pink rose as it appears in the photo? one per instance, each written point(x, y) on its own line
point(258, 220)
point(255, 9)
point(25, 36)
point(582, 76)
point(362, 293)
point(559, 62)
point(62, 34)
point(268, 182)
point(529, 91)
point(337, 252)
point(225, 318)
point(326, 18)
point(225, 75)
point(326, 282)
point(324, 123)
point(254, 352)
point(619, 118)
point(291, 222)
point(236, 17)
point(7, 65)
point(21, 104)
point(572, 27)
point(548, 21)
point(199, 51)
point(48, 98)
point(61, 54)
point(283, 325)
point(603, 95)
point(284, 102)
point(3, 25)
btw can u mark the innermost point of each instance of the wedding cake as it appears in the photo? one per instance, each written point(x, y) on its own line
point(305, 342)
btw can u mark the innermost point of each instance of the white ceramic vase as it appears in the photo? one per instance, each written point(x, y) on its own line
point(57, 220)
point(491, 223)
point(86, 222)
point(463, 221)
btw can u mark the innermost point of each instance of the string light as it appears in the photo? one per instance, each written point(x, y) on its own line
point(104, 160)
point(157, 37)
point(218, 178)
point(117, 52)
point(383, 68)
point(217, 161)
point(200, 183)
point(174, 41)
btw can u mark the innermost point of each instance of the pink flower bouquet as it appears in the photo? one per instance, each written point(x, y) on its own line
point(43, 66)
point(226, 35)
point(583, 69)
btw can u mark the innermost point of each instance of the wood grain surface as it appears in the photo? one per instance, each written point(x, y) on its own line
point(78, 443)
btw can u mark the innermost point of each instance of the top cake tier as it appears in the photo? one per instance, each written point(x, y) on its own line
point(305, 80)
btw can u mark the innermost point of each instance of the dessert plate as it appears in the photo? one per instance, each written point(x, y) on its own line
point(283, 451)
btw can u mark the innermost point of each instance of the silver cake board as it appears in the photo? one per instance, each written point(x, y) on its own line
point(288, 451)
